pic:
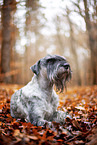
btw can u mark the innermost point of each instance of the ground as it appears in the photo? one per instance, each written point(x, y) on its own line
point(80, 102)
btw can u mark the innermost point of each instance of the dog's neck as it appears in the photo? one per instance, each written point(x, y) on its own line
point(44, 84)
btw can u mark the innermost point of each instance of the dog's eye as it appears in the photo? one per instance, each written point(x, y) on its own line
point(51, 60)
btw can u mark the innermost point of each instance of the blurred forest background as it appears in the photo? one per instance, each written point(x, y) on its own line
point(31, 29)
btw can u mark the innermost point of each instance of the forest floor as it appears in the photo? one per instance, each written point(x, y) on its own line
point(81, 104)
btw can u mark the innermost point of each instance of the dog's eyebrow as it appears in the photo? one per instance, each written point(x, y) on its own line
point(61, 58)
point(57, 58)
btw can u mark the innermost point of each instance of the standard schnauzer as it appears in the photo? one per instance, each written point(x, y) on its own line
point(37, 102)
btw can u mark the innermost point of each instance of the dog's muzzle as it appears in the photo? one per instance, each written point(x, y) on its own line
point(63, 75)
point(64, 71)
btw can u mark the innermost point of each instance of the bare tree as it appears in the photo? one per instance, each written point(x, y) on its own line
point(59, 37)
point(32, 27)
point(91, 26)
point(6, 38)
point(73, 47)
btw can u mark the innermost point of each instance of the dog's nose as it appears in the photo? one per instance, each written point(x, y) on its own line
point(66, 65)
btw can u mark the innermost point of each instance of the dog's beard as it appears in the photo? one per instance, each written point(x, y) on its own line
point(58, 75)
point(60, 81)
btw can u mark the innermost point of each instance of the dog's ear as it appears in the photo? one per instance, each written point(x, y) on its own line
point(36, 67)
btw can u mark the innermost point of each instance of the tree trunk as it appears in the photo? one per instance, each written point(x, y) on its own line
point(72, 45)
point(92, 34)
point(6, 39)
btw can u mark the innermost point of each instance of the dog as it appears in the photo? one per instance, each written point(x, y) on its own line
point(37, 102)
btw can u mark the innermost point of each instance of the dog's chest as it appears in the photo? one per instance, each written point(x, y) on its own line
point(49, 110)
point(51, 104)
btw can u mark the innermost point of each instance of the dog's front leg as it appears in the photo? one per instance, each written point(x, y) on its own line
point(36, 111)
point(60, 116)
point(37, 118)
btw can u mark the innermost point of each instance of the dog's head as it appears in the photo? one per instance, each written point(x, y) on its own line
point(57, 70)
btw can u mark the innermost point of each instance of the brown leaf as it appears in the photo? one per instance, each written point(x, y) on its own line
point(33, 137)
point(76, 124)
point(80, 102)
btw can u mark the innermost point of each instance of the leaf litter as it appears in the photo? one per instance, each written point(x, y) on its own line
point(79, 102)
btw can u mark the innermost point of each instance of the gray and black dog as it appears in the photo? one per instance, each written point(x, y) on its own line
point(37, 102)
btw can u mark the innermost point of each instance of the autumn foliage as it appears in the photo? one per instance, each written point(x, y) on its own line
point(80, 102)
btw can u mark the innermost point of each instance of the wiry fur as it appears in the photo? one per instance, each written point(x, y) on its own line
point(37, 102)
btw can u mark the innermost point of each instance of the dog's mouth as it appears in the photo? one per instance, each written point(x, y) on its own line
point(63, 75)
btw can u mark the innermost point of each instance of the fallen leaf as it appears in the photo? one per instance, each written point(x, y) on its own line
point(33, 137)
point(80, 108)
